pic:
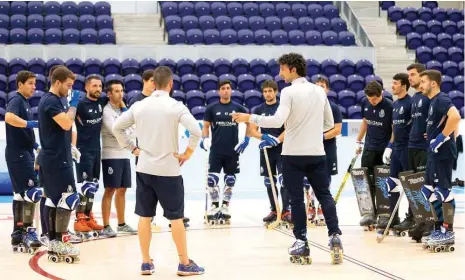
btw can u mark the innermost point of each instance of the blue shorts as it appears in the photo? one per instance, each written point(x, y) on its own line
point(399, 162)
point(57, 181)
point(88, 167)
point(168, 190)
point(116, 173)
point(276, 163)
point(229, 163)
point(22, 173)
point(439, 173)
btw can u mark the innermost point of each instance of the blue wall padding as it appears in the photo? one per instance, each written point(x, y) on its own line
point(5, 184)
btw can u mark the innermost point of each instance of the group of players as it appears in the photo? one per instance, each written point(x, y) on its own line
point(414, 133)
point(70, 130)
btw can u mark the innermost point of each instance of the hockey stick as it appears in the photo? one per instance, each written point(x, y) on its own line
point(273, 190)
point(346, 177)
point(206, 191)
point(380, 238)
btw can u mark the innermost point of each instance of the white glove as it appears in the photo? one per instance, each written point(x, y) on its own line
point(359, 147)
point(205, 143)
point(75, 153)
point(387, 154)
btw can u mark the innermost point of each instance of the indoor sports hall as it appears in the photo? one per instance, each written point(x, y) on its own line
point(350, 42)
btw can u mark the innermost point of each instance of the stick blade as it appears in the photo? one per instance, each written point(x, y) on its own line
point(379, 239)
point(273, 225)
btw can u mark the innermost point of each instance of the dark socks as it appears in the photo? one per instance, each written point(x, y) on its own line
point(121, 225)
point(17, 215)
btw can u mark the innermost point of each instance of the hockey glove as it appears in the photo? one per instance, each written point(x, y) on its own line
point(32, 124)
point(241, 146)
point(268, 141)
point(75, 94)
point(359, 147)
point(205, 143)
point(435, 144)
point(76, 154)
point(387, 154)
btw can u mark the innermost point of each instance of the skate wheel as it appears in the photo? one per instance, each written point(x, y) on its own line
point(31, 251)
point(95, 234)
point(69, 260)
point(437, 249)
point(15, 249)
point(53, 258)
point(212, 223)
point(451, 249)
point(293, 259)
point(222, 222)
point(22, 249)
point(403, 234)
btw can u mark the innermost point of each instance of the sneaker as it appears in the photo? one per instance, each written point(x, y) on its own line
point(126, 229)
point(109, 232)
point(191, 269)
point(147, 268)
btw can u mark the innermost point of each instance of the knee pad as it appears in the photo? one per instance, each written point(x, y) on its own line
point(280, 179)
point(213, 179)
point(268, 182)
point(95, 181)
point(428, 193)
point(49, 203)
point(33, 195)
point(69, 201)
point(18, 197)
point(229, 180)
point(443, 195)
point(306, 183)
point(392, 184)
point(88, 189)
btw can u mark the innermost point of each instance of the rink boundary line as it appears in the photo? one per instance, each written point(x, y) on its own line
point(34, 265)
point(346, 257)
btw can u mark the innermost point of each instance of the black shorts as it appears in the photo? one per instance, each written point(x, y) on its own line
point(371, 158)
point(116, 173)
point(57, 181)
point(399, 162)
point(439, 173)
point(168, 190)
point(22, 173)
point(229, 163)
point(417, 159)
point(88, 167)
point(331, 160)
point(276, 163)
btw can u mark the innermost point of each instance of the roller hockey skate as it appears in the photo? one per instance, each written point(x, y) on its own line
point(191, 269)
point(442, 242)
point(96, 229)
point(31, 242)
point(419, 231)
point(335, 245)
point(427, 236)
point(368, 223)
point(286, 220)
point(311, 216)
point(81, 228)
point(185, 221)
point(17, 241)
point(74, 238)
point(59, 251)
point(44, 240)
point(320, 220)
point(213, 215)
point(224, 215)
point(270, 218)
point(300, 253)
point(403, 228)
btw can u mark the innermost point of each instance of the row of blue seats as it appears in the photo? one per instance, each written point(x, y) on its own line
point(385, 5)
point(57, 36)
point(452, 28)
point(441, 55)
point(426, 14)
point(54, 7)
point(415, 40)
point(56, 21)
point(201, 66)
point(260, 37)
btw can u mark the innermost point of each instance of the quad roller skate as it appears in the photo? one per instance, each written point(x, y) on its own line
point(17, 241)
point(368, 223)
point(96, 229)
point(286, 220)
point(320, 220)
point(300, 253)
point(403, 228)
point(185, 221)
point(81, 228)
point(442, 242)
point(419, 231)
point(335, 245)
point(215, 216)
point(63, 251)
point(224, 215)
point(25, 242)
point(270, 218)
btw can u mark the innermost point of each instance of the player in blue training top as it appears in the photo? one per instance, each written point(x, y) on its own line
point(329, 142)
point(417, 144)
point(377, 125)
point(396, 153)
point(19, 157)
point(224, 148)
point(88, 125)
point(268, 108)
point(56, 164)
point(443, 120)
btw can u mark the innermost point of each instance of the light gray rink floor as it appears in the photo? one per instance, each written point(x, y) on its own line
point(244, 250)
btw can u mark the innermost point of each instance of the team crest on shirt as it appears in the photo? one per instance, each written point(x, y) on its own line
point(401, 111)
point(110, 170)
point(30, 183)
point(419, 104)
point(381, 113)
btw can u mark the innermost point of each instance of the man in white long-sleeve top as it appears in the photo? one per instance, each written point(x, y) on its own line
point(305, 112)
point(158, 171)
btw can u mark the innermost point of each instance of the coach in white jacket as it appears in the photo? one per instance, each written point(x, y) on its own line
point(158, 175)
point(305, 111)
